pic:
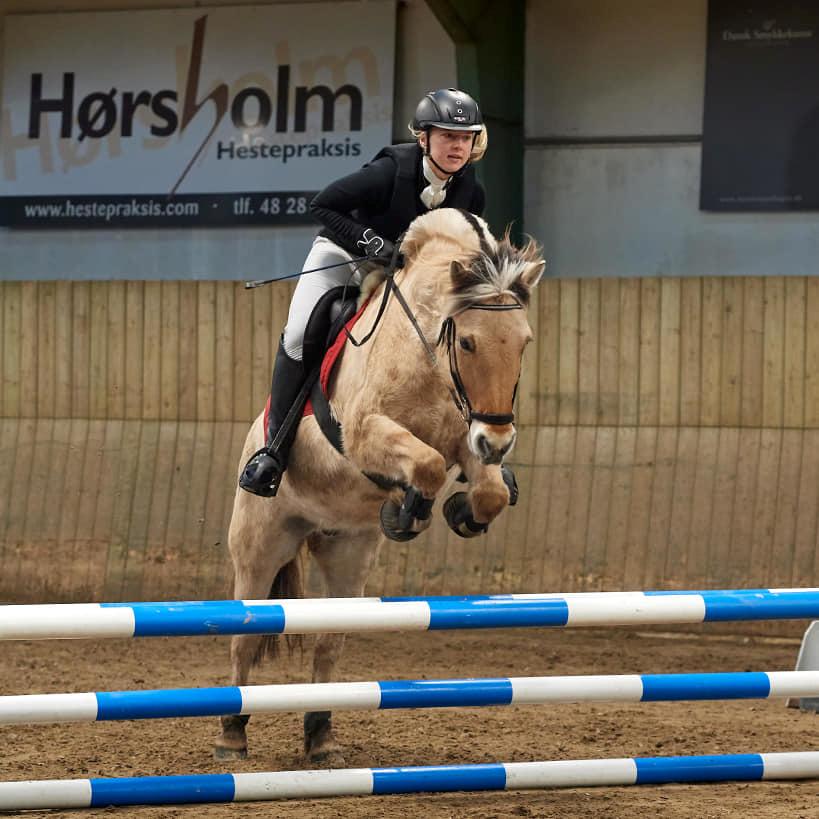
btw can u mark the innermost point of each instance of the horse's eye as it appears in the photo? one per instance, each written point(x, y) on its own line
point(467, 344)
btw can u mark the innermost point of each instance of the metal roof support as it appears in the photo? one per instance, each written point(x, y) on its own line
point(489, 37)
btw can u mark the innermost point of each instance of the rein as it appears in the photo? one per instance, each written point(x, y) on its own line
point(390, 287)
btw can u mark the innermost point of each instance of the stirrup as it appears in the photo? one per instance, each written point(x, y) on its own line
point(262, 474)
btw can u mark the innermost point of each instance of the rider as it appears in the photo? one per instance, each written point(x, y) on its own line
point(363, 214)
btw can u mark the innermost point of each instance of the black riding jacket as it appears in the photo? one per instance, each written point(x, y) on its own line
point(385, 196)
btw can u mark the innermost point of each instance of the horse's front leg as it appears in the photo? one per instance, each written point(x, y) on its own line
point(491, 488)
point(382, 448)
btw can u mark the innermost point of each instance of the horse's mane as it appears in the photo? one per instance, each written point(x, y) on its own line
point(490, 267)
point(449, 225)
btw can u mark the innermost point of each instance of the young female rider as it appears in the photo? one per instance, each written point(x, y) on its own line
point(363, 214)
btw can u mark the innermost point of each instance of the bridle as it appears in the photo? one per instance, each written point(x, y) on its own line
point(458, 390)
point(446, 334)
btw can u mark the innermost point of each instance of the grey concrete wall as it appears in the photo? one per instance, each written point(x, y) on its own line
point(633, 210)
point(425, 59)
point(614, 68)
point(614, 99)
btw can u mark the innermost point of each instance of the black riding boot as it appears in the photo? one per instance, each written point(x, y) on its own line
point(263, 472)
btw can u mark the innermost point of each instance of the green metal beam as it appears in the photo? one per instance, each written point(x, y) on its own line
point(489, 49)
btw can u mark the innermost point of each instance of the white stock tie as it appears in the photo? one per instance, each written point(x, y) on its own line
point(434, 193)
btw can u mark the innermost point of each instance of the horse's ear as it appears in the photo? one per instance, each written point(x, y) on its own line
point(532, 273)
point(460, 276)
point(524, 284)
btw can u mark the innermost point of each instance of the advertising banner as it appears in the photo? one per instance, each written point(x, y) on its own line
point(206, 116)
point(760, 148)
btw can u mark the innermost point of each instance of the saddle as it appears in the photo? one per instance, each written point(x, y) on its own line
point(333, 310)
point(324, 339)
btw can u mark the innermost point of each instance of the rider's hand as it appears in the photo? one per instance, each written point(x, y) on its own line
point(379, 249)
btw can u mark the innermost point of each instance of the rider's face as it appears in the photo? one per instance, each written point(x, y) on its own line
point(449, 149)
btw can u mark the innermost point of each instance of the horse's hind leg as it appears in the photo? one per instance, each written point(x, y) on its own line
point(345, 563)
point(264, 565)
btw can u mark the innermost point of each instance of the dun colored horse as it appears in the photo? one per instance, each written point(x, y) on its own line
point(412, 420)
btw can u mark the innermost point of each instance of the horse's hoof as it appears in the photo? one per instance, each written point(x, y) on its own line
point(224, 752)
point(389, 523)
point(458, 515)
point(511, 483)
point(327, 759)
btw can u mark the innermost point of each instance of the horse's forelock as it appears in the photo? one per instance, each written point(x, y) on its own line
point(491, 267)
point(496, 274)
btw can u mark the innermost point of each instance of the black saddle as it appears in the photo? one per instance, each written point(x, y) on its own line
point(333, 310)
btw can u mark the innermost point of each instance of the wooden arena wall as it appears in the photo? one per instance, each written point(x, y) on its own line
point(668, 437)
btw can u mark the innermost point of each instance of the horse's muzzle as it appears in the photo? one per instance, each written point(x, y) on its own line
point(491, 444)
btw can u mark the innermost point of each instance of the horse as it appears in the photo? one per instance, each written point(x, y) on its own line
point(411, 422)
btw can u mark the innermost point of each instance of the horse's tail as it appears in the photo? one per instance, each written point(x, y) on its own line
point(287, 584)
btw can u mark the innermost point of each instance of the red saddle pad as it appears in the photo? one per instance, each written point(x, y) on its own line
point(327, 364)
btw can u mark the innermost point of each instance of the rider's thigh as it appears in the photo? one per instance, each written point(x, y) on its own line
point(311, 287)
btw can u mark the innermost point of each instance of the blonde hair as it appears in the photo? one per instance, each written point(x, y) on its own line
point(479, 145)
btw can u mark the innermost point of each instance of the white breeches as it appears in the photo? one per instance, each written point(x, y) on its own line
point(312, 286)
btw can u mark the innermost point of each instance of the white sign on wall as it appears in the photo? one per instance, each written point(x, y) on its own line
point(190, 116)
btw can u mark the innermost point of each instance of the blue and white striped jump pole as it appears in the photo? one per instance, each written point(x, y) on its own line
point(261, 699)
point(345, 615)
point(250, 787)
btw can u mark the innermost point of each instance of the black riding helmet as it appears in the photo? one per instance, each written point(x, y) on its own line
point(451, 109)
point(448, 108)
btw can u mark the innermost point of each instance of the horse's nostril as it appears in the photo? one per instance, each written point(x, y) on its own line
point(484, 446)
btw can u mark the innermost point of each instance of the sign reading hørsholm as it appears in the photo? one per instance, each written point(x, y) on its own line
point(190, 116)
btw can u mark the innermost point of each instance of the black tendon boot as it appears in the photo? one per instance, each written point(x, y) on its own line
point(263, 472)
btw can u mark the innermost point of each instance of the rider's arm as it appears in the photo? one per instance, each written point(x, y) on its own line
point(369, 188)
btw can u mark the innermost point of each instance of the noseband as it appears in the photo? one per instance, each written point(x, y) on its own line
point(446, 336)
point(458, 392)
